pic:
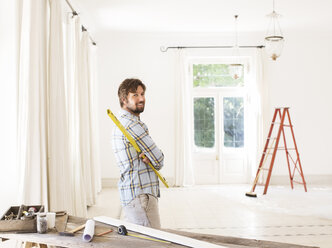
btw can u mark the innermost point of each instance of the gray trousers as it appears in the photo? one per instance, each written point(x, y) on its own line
point(143, 210)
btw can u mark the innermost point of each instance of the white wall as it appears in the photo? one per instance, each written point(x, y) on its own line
point(8, 171)
point(299, 79)
point(127, 55)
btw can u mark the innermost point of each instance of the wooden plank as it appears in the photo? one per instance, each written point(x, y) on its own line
point(114, 240)
point(27, 245)
point(61, 222)
point(174, 238)
point(238, 242)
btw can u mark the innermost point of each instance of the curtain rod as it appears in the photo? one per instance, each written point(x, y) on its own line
point(83, 28)
point(164, 49)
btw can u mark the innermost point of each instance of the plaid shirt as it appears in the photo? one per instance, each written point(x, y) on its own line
point(136, 176)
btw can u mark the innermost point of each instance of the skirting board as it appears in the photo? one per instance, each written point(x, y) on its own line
point(171, 237)
point(311, 180)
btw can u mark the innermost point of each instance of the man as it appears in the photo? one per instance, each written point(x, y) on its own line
point(138, 184)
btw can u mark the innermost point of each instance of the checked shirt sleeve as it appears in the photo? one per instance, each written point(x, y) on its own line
point(140, 133)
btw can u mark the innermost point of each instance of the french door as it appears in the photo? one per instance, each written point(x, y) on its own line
point(219, 117)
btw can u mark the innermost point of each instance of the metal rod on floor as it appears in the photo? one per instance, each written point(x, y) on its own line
point(83, 28)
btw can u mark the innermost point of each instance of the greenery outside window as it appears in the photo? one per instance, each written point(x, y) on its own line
point(233, 122)
point(204, 129)
point(215, 75)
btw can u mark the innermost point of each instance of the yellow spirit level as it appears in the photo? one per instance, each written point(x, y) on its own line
point(134, 144)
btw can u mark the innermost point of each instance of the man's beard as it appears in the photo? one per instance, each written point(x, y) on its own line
point(136, 110)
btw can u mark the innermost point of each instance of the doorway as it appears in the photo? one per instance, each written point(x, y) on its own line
point(219, 121)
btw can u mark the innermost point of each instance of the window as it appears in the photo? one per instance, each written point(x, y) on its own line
point(233, 121)
point(215, 75)
point(204, 122)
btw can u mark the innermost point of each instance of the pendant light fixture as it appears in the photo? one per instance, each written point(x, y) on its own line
point(274, 40)
point(236, 69)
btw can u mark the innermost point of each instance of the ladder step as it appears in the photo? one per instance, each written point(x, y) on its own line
point(279, 148)
point(297, 182)
point(267, 153)
point(285, 125)
point(263, 169)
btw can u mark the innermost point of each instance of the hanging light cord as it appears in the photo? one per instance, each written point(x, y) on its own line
point(236, 33)
point(274, 23)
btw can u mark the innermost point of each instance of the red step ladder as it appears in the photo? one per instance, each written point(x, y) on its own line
point(282, 113)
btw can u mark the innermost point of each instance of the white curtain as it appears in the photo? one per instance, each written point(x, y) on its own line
point(32, 102)
point(88, 144)
point(256, 116)
point(94, 130)
point(183, 160)
point(59, 171)
point(73, 38)
point(8, 104)
point(57, 131)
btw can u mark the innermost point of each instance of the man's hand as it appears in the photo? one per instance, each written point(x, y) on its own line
point(146, 160)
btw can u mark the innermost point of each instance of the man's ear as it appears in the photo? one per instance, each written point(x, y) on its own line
point(124, 100)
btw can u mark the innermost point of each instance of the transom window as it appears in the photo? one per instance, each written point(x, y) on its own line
point(215, 75)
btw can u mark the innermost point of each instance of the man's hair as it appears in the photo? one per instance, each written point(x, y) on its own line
point(128, 85)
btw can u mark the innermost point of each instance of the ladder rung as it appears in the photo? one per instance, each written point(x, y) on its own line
point(263, 169)
point(279, 148)
point(297, 182)
point(269, 148)
point(285, 125)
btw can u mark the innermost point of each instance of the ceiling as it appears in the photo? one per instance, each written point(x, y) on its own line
point(201, 15)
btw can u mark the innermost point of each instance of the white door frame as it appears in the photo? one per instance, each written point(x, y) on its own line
point(219, 157)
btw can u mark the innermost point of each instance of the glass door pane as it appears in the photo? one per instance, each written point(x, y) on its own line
point(204, 128)
point(205, 153)
point(233, 122)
